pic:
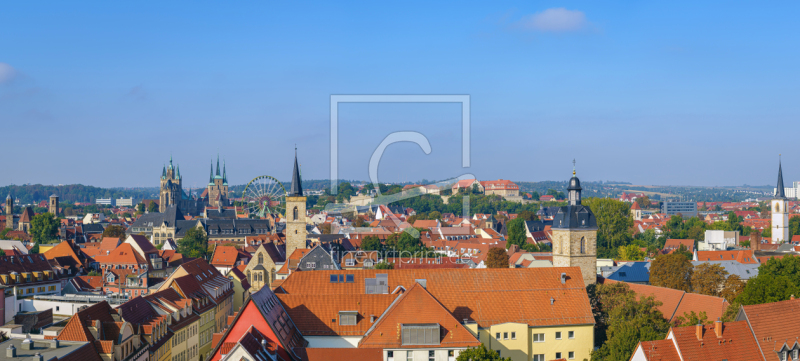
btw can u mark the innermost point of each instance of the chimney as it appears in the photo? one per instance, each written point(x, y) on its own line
point(563, 278)
point(699, 331)
point(718, 328)
point(552, 300)
point(11, 351)
point(791, 297)
point(38, 357)
point(27, 343)
point(54, 343)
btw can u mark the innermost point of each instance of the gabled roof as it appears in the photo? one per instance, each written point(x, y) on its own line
point(741, 256)
point(771, 325)
point(319, 316)
point(658, 350)
point(473, 293)
point(63, 249)
point(225, 256)
point(417, 307)
point(340, 354)
point(735, 343)
point(676, 302)
point(124, 254)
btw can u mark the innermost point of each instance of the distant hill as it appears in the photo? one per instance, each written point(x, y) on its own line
point(32, 193)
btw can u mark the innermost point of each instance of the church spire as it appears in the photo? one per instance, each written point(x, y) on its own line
point(170, 161)
point(217, 164)
point(211, 173)
point(574, 188)
point(779, 192)
point(164, 172)
point(179, 172)
point(297, 187)
point(224, 174)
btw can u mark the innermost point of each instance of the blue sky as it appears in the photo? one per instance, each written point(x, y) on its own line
point(692, 93)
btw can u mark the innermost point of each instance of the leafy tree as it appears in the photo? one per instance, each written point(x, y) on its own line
point(516, 233)
point(480, 353)
point(94, 273)
point(691, 319)
point(631, 252)
point(794, 226)
point(788, 266)
point(325, 228)
point(194, 243)
point(613, 221)
point(708, 279)
point(626, 321)
point(643, 202)
point(672, 271)
point(683, 251)
point(371, 243)
point(733, 288)
point(384, 265)
point(114, 231)
point(126, 214)
point(140, 208)
point(4, 232)
point(497, 258)
point(766, 289)
point(527, 216)
point(152, 207)
point(44, 228)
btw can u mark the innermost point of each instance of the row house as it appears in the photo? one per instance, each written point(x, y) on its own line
point(113, 338)
point(226, 258)
point(30, 275)
point(183, 322)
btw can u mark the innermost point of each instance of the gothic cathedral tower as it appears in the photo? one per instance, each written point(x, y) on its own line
point(780, 212)
point(575, 235)
point(218, 186)
point(295, 213)
point(170, 193)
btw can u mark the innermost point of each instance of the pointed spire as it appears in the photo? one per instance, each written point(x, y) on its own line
point(779, 192)
point(297, 187)
point(170, 161)
point(217, 164)
point(179, 172)
point(224, 174)
point(164, 172)
point(211, 173)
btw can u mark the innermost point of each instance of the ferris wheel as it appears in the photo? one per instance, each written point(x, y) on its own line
point(264, 195)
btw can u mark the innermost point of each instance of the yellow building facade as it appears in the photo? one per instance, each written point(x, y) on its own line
point(521, 342)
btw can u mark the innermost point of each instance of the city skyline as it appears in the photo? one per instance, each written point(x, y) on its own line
point(102, 94)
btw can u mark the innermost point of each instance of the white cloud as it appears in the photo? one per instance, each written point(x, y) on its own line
point(7, 73)
point(555, 20)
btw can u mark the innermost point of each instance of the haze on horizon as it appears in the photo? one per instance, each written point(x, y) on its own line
point(657, 93)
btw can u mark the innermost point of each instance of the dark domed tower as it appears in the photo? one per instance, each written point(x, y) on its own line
point(575, 235)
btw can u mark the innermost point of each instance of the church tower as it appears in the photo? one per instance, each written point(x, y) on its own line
point(218, 186)
point(780, 212)
point(53, 205)
point(170, 191)
point(295, 213)
point(575, 235)
point(10, 212)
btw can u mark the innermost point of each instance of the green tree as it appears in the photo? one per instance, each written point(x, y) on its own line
point(527, 216)
point(766, 289)
point(152, 207)
point(709, 279)
point(691, 319)
point(371, 243)
point(480, 353)
point(114, 231)
point(794, 226)
point(497, 258)
point(4, 232)
point(788, 266)
point(384, 265)
point(672, 271)
point(631, 252)
point(194, 243)
point(516, 233)
point(732, 288)
point(44, 228)
point(325, 228)
point(94, 273)
point(614, 221)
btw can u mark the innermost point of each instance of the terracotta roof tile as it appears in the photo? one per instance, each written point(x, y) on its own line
point(340, 354)
point(659, 350)
point(769, 324)
point(735, 343)
point(319, 316)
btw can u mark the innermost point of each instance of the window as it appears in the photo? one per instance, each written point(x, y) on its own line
point(349, 262)
point(583, 245)
point(539, 357)
point(451, 355)
point(784, 354)
point(311, 264)
point(334, 278)
point(795, 353)
point(497, 335)
point(390, 355)
point(421, 334)
point(558, 337)
point(538, 337)
point(558, 355)
point(513, 335)
point(350, 279)
point(431, 356)
point(347, 318)
point(571, 335)
point(571, 355)
point(410, 355)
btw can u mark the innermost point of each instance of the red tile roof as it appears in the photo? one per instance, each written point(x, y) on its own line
point(675, 302)
point(659, 350)
point(319, 316)
point(124, 254)
point(340, 354)
point(741, 256)
point(735, 343)
point(771, 323)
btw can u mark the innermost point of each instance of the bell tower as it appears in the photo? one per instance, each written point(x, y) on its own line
point(295, 213)
point(575, 235)
point(53, 205)
point(10, 212)
point(780, 212)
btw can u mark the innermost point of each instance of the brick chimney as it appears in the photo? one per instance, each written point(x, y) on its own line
point(718, 328)
point(791, 297)
point(698, 330)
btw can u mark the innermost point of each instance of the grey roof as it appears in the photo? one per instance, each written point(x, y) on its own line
point(297, 187)
point(534, 226)
point(572, 217)
point(547, 211)
point(745, 271)
point(779, 193)
point(170, 216)
point(181, 226)
point(42, 347)
point(93, 228)
point(574, 183)
point(629, 272)
point(216, 214)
